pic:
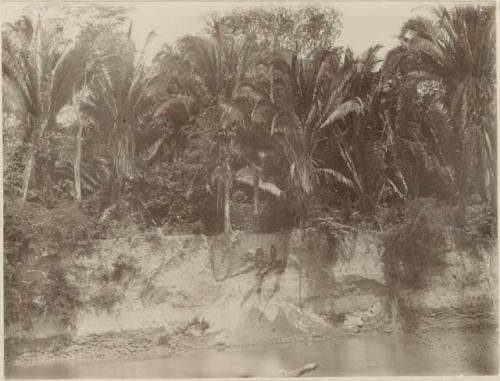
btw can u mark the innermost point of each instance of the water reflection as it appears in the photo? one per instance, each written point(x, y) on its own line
point(432, 353)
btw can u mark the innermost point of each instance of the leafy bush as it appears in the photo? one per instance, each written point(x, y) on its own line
point(13, 165)
point(417, 245)
point(35, 239)
point(66, 222)
point(424, 229)
point(31, 294)
point(275, 216)
point(106, 298)
point(243, 217)
point(479, 224)
point(62, 298)
point(111, 282)
point(160, 196)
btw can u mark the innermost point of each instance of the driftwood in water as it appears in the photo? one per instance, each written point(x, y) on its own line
point(299, 372)
point(294, 373)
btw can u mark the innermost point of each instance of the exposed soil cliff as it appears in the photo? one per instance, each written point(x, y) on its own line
point(254, 288)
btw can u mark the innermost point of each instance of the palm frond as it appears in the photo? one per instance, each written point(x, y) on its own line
point(336, 176)
point(354, 106)
point(246, 176)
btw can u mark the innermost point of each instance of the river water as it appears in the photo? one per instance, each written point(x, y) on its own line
point(451, 352)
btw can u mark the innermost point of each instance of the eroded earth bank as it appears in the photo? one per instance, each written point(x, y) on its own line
point(155, 294)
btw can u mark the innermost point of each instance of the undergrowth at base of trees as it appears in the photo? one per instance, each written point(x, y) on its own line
point(425, 230)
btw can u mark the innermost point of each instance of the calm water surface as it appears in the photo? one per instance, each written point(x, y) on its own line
point(433, 353)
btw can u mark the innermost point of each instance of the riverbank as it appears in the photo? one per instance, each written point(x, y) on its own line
point(425, 352)
point(110, 346)
point(130, 345)
point(157, 343)
point(157, 295)
point(153, 343)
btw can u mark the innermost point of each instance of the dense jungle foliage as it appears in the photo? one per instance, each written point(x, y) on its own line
point(262, 123)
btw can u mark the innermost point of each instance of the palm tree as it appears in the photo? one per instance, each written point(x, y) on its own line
point(81, 92)
point(364, 141)
point(220, 64)
point(393, 147)
point(456, 50)
point(181, 96)
point(416, 137)
point(39, 67)
point(120, 99)
point(298, 101)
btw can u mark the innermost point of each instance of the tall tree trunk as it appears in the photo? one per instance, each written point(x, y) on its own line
point(124, 150)
point(300, 289)
point(256, 182)
point(29, 163)
point(462, 204)
point(78, 156)
point(395, 308)
point(28, 170)
point(395, 316)
point(76, 164)
point(47, 193)
point(227, 197)
point(37, 130)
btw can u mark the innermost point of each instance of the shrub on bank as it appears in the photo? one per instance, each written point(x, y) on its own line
point(273, 215)
point(423, 230)
point(479, 225)
point(36, 239)
point(412, 249)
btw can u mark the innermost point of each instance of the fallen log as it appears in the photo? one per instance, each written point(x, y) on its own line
point(300, 371)
point(294, 373)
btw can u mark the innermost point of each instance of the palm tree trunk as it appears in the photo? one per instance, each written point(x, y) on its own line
point(227, 217)
point(36, 135)
point(78, 156)
point(124, 150)
point(28, 133)
point(48, 174)
point(395, 316)
point(227, 198)
point(300, 289)
point(256, 182)
point(395, 308)
point(462, 202)
point(76, 164)
point(28, 170)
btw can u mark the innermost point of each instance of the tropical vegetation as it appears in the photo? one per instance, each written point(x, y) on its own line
point(265, 105)
point(263, 122)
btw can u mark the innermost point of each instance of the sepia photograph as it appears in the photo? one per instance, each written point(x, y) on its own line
point(236, 189)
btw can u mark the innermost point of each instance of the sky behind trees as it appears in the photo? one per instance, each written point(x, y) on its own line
point(364, 24)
